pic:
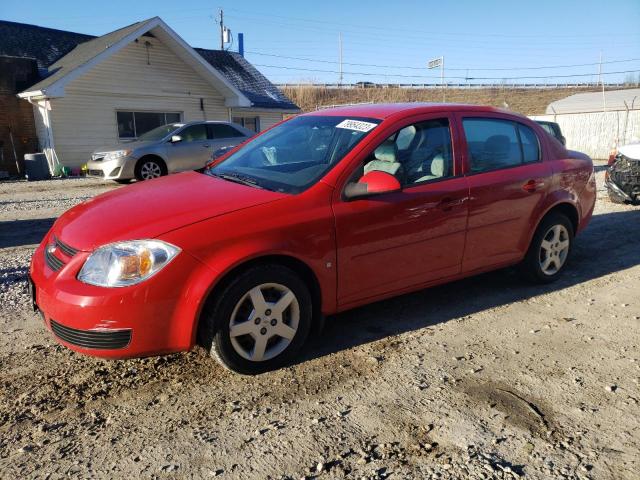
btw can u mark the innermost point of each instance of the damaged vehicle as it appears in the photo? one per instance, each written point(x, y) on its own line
point(622, 179)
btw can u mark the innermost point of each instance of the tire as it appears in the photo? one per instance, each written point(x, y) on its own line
point(123, 181)
point(149, 168)
point(235, 307)
point(547, 249)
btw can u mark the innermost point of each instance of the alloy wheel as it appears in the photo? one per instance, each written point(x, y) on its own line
point(150, 170)
point(264, 322)
point(554, 249)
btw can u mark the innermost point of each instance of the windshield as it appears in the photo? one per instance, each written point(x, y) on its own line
point(296, 154)
point(159, 133)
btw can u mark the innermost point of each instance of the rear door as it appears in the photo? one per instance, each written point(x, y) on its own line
point(192, 152)
point(508, 181)
point(223, 136)
point(397, 241)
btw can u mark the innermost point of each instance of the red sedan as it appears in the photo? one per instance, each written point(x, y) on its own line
point(322, 213)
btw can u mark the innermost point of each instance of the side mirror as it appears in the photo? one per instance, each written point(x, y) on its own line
point(175, 139)
point(375, 182)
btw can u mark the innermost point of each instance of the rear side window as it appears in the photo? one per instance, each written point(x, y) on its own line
point(494, 144)
point(221, 130)
point(530, 147)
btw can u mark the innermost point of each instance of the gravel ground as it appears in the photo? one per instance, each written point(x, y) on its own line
point(488, 377)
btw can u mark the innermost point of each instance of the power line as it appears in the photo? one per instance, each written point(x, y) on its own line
point(450, 77)
point(261, 16)
point(306, 59)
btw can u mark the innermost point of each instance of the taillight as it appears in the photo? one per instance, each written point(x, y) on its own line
point(612, 156)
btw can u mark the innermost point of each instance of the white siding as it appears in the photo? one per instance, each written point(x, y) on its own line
point(597, 133)
point(137, 78)
point(267, 118)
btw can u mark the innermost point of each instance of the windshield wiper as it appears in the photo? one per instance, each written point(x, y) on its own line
point(241, 179)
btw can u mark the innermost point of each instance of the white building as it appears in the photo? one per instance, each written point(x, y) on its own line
point(112, 88)
point(594, 123)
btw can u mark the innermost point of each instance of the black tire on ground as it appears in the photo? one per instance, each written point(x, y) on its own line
point(213, 332)
point(531, 266)
point(123, 181)
point(152, 162)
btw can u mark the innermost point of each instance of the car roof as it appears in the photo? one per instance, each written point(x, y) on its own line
point(197, 122)
point(383, 110)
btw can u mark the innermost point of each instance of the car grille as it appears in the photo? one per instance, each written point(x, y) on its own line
point(52, 260)
point(66, 249)
point(95, 173)
point(96, 339)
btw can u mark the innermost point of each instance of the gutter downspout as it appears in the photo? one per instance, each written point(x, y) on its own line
point(49, 149)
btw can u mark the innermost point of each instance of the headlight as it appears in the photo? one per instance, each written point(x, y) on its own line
point(117, 154)
point(126, 263)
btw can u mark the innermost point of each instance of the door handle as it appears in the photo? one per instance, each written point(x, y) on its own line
point(533, 185)
point(206, 145)
point(447, 203)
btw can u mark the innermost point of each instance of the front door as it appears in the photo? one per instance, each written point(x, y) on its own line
point(508, 182)
point(397, 241)
point(192, 152)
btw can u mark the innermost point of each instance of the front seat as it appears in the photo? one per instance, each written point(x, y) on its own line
point(386, 160)
point(438, 169)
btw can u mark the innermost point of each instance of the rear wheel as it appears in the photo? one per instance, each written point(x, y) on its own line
point(149, 168)
point(259, 320)
point(549, 250)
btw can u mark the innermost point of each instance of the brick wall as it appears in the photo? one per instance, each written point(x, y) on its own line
point(16, 115)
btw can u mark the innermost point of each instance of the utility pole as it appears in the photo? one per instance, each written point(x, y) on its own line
point(444, 87)
point(221, 30)
point(340, 57)
point(604, 101)
point(435, 63)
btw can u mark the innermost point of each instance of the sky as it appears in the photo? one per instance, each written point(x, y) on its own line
point(386, 42)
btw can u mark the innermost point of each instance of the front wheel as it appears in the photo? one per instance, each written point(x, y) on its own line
point(549, 250)
point(149, 168)
point(259, 320)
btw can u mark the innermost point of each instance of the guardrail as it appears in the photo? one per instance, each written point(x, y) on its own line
point(456, 85)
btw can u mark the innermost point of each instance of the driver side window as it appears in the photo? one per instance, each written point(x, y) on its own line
point(415, 154)
point(194, 133)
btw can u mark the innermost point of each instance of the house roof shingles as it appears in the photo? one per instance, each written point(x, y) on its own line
point(58, 52)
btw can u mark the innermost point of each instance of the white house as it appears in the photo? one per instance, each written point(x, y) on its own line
point(117, 86)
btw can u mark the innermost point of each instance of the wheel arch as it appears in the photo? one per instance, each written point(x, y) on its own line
point(567, 208)
point(295, 264)
point(154, 156)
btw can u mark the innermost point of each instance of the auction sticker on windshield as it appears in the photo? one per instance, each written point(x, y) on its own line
point(356, 125)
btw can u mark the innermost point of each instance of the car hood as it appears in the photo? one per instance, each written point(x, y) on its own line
point(123, 146)
point(149, 209)
point(631, 151)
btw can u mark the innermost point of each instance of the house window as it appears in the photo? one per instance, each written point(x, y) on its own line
point(134, 124)
point(252, 123)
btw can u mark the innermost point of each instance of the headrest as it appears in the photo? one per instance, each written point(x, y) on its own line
point(497, 143)
point(387, 152)
point(437, 166)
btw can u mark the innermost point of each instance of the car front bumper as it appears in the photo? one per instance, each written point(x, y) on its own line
point(122, 168)
point(151, 318)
